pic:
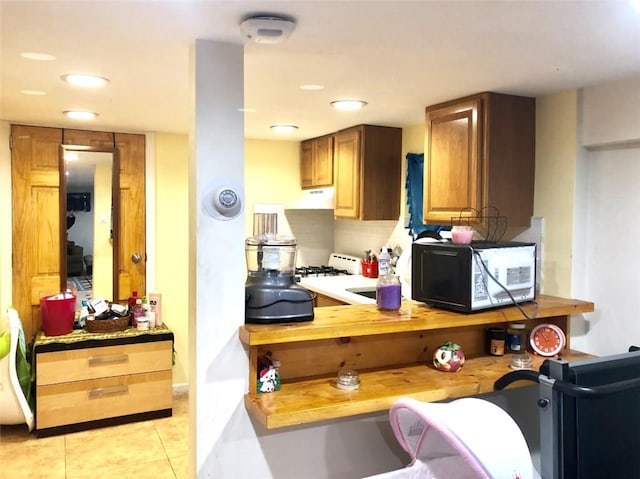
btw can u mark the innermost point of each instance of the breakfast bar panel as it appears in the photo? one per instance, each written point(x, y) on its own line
point(392, 352)
point(366, 320)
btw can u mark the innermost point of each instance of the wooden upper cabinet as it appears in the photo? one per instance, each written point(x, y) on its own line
point(367, 164)
point(480, 154)
point(316, 162)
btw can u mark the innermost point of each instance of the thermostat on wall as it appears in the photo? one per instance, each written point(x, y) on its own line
point(223, 200)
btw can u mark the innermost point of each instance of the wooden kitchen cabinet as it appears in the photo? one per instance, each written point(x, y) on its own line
point(367, 165)
point(86, 380)
point(322, 300)
point(316, 162)
point(392, 352)
point(480, 153)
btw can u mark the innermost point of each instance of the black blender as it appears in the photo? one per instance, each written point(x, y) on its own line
point(271, 292)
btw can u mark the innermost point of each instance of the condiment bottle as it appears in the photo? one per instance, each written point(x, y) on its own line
point(388, 292)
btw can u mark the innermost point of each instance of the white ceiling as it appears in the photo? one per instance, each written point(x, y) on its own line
point(400, 56)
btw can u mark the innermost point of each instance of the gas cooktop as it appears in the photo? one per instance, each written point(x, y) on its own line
point(339, 264)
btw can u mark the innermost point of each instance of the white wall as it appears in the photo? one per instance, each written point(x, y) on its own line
point(556, 151)
point(611, 177)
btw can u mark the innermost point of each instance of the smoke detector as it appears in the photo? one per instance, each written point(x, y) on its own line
point(267, 28)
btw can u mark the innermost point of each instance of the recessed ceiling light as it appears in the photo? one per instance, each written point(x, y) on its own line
point(247, 110)
point(33, 92)
point(80, 115)
point(348, 104)
point(43, 57)
point(88, 81)
point(284, 128)
point(311, 87)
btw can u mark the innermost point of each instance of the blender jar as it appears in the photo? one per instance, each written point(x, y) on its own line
point(271, 254)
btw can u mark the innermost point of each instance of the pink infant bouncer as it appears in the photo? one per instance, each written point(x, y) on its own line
point(468, 438)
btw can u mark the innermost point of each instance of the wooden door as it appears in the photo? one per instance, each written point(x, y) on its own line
point(323, 161)
point(132, 254)
point(306, 164)
point(347, 173)
point(35, 180)
point(452, 173)
point(94, 139)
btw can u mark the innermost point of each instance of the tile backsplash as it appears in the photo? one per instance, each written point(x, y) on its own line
point(318, 234)
point(314, 233)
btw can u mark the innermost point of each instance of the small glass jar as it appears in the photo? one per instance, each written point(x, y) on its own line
point(348, 379)
point(517, 338)
point(388, 292)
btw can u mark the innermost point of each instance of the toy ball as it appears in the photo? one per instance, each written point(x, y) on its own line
point(448, 357)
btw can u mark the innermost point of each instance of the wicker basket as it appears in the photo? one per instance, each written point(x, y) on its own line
point(107, 325)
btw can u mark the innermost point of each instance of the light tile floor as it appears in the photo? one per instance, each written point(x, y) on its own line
point(148, 449)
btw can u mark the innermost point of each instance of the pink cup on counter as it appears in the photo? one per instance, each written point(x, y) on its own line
point(461, 234)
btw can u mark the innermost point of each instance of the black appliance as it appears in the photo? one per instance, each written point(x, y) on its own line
point(271, 292)
point(473, 277)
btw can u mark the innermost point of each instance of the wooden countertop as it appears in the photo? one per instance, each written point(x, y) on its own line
point(392, 352)
point(367, 320)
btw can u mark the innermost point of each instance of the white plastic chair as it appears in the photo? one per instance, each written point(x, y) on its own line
point(14, 408)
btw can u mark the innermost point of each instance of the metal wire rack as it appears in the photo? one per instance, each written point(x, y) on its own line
point(487, 222)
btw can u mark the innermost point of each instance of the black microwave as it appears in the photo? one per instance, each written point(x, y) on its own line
point(473, 277)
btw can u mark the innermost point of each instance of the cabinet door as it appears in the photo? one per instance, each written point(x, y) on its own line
point(306, 164)
point(323, 161)
point(452, 170)
point(316, 162)
point(347, 173)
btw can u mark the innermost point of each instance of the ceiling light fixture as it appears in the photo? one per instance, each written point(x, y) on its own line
point(87, 81)
point(311, 87)
point(80, 115)
point(284, 128)
point(42, 57)
point(348, 104)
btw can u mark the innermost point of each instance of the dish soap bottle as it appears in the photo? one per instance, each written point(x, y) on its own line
point(384, 262)
point(388, 292)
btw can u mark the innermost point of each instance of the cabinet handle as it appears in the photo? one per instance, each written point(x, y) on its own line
point(99, 392)
point(120, 358)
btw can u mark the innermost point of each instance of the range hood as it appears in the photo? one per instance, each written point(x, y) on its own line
point(317, 199)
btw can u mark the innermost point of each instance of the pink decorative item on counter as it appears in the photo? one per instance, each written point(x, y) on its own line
point(448, 357)
point(461, 234)
point(155, 305)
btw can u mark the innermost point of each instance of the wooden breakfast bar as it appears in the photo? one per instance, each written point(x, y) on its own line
point(391, 351)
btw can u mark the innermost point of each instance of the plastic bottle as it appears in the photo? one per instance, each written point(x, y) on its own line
point(384, 262)
point(131, 302)
point(138, 313)
point(84, 312)
point(155, 303)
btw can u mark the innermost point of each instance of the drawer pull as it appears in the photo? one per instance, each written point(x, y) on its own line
point(99, 392)
point(120, 358)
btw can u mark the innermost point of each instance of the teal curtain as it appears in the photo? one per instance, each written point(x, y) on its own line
point(414, 185)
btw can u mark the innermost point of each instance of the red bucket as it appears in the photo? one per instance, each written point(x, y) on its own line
point(58, 313)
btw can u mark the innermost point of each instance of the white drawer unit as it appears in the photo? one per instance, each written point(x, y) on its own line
point(96, 380)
